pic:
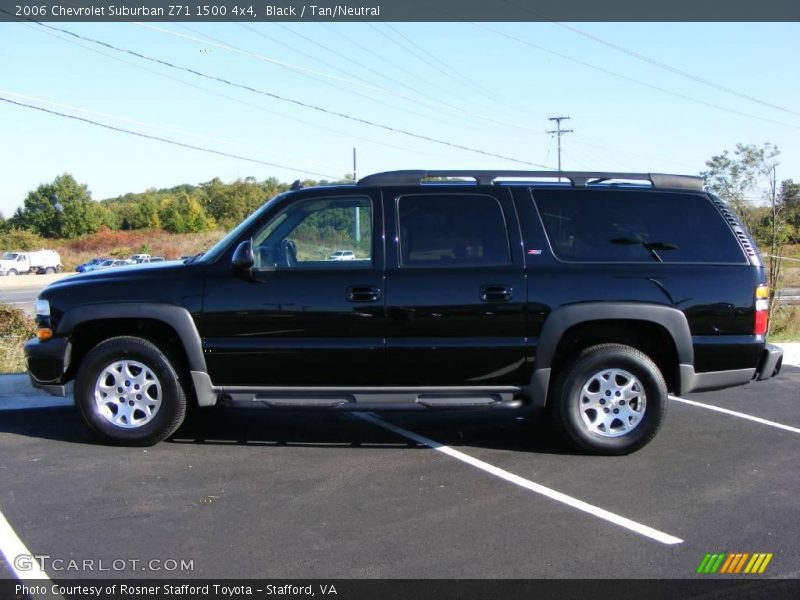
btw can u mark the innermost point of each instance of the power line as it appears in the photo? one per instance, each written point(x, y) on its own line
point(581, 141)
point(164, 140)
point(167, 129)
point(349, 59)
point(675, 70)
point(306, 71)
point(289, 100)
point(227, 97)
point(578, 162)
point(451, 72)
point(631, 79)
point(653, 61)
point(339, 87)
point(380, 57)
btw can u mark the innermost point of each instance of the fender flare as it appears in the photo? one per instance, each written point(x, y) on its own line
point(561, 319)
point(177, 317)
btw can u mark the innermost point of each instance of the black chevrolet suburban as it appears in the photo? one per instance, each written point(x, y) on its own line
point(591, 295)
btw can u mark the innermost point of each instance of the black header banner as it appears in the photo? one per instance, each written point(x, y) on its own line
point(330, 11)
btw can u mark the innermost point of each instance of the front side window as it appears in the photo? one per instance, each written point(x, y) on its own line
point(635, 226)
point(452, 230)
point(324, 233)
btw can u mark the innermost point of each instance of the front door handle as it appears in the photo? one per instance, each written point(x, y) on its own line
point(363, 293)
point(496, 293)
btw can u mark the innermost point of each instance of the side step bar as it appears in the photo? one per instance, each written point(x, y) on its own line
point(373, 401)
point(359, 398)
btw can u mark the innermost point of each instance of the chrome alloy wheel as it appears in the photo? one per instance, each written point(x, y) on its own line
point(127, 394)
point(612, 403)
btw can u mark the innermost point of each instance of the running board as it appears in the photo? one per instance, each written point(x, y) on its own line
point(359, 398)
point(373, 400)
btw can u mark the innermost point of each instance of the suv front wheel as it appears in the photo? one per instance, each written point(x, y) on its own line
point(129, 393)
point(611, 399)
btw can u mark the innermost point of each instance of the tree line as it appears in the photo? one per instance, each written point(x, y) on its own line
point(65, 209)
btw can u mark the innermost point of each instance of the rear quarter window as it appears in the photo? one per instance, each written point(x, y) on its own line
point(635, 226)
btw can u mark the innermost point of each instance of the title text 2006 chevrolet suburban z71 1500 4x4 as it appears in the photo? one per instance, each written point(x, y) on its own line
point(590, 294)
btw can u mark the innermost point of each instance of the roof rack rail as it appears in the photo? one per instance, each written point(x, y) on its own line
point(576, 178)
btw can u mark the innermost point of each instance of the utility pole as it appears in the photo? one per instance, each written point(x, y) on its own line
point(559, 132)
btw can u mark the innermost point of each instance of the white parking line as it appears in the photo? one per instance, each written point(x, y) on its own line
point(20, 560)
point(591, 509)
point(734, 413)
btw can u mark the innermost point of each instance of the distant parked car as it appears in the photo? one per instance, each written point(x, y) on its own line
point(138, 259)
point(82, 268)
point(342, 255)
point(112, 262)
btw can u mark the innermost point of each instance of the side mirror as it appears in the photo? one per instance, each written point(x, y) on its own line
point(243, 259)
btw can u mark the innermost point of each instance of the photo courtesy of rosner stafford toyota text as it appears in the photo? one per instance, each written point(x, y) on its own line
point(399, 299)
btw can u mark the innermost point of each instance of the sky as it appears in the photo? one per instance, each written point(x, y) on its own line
point(642, 97)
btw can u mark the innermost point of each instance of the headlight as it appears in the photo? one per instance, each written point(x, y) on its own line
point(42, 308)
point(43, 331)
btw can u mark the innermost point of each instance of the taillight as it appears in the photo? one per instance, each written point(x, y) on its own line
point(762, 310)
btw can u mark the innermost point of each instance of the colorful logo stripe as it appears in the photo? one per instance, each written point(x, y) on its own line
point(734, 563)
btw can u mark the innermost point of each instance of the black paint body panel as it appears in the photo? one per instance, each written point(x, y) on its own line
point(428, 326)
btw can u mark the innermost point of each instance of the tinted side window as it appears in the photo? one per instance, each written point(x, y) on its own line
point(452, 230)
point(633, 226)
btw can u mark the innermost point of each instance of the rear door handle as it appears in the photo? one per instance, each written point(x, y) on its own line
point(496, 293)
point(363, 293)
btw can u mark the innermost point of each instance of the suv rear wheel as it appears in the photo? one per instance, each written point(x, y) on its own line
point(611, 399)
point(129, 393)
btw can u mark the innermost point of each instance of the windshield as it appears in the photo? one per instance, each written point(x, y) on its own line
point(9, 255)
point(218, 248)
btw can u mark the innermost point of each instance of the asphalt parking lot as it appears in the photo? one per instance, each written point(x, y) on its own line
point(250, 493)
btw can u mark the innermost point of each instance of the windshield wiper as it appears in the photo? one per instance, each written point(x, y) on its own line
point(651, 247)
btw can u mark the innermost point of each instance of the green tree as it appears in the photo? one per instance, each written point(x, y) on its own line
point(20, 239)
point(79, 215)
point(790, 198)
point(733, 176)
point(170, 215)
point(231, 203)
point(184, 214)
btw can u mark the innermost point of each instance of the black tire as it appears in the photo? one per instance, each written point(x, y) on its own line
point(49, 271)
point(138, 415)
point(626, 374)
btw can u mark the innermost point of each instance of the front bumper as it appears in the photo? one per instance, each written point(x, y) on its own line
point(47, 362)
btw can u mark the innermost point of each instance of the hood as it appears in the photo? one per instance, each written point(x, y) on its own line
point(148, 271)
